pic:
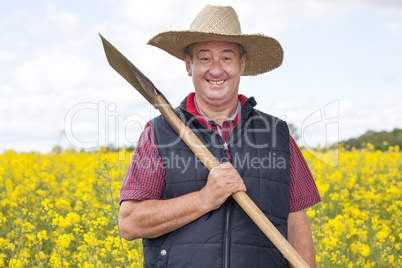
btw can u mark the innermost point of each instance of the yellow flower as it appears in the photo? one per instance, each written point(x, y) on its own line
point(391, 259)
point(64, 240)
point(2, 257)
point(42, 235)
point(311, 213)
point(383, 233)
point(62, 201)
point(365, 250)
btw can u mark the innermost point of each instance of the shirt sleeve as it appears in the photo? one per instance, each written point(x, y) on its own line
point(303, 191)
point(146, 177)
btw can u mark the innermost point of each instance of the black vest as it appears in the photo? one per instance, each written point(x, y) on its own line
point(226, 237)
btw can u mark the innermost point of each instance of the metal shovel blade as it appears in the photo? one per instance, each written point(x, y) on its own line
point(129, 72)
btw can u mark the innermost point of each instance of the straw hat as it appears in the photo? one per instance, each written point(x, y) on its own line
point(217, 23)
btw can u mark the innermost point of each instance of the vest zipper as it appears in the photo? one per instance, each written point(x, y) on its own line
point(228, 206)
point(226, 250)
point(226, 147)
point(226, 245)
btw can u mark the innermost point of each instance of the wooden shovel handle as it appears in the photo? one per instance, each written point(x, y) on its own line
point(209, 160)
point(144, 86)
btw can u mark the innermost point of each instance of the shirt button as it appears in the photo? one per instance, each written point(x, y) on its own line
point(163, 252)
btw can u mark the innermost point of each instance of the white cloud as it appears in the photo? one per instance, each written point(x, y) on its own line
point(347, 107)
point(387, 5)
point(359, 116)
point(49, 71)
point(54, 60)
point(24, 21)
point(60, 19)
point(6, 56)
point(266, 17)
point(394, 28)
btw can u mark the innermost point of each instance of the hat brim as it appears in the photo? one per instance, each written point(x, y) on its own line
point(264, 53)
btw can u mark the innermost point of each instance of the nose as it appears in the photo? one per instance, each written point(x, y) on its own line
point(216, 68)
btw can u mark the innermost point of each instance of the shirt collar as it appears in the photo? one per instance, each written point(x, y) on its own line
point(191, 107)
point(211, 121)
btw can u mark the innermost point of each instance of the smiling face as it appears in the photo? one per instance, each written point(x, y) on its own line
point(216, 68)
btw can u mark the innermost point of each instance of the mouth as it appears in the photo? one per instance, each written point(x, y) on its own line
point(220, 82)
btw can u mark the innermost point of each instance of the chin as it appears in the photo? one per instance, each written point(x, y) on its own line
point(217, 96)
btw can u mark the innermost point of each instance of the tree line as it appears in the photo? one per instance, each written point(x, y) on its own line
point(380, 140)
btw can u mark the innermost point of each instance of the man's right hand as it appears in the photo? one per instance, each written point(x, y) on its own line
point(223, 181)
point(153, 218)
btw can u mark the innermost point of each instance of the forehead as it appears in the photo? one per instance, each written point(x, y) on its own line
point(215, 46)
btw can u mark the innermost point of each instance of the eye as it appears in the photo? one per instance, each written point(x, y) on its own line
point(227, 57)
point(204, 58)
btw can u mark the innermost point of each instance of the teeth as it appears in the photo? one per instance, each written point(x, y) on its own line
point(216, 82)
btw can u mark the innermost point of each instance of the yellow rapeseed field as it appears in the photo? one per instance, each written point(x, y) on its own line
point(60, 210)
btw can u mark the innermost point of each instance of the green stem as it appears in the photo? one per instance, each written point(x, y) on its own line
point(113, 211)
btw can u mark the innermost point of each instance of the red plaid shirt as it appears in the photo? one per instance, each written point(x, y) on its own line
point(145, 178)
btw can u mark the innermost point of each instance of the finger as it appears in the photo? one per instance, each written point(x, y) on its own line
point(236, 187)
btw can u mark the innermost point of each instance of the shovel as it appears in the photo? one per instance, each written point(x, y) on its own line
point(147, 89)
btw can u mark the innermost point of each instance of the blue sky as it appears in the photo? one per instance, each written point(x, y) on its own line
point(341, 75)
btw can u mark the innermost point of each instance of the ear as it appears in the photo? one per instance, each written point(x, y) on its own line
point(243, 64)
point(187, 60)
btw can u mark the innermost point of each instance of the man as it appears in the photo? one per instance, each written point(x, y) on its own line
point(184, 213)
